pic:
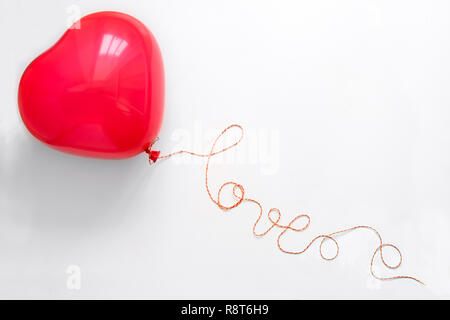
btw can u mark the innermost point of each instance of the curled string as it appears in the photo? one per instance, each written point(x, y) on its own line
point(238, 192)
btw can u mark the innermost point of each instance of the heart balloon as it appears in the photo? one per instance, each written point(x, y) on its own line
point(99, 91)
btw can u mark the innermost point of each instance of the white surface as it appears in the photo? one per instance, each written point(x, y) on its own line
point(346, 107)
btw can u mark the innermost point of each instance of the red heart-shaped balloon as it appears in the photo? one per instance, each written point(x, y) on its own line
point(99, 91)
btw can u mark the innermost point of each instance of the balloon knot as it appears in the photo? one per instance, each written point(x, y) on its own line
point(153, 155)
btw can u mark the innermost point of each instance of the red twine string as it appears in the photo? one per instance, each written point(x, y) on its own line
point(239, 192)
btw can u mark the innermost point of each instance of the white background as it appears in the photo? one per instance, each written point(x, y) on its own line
point(347, 109)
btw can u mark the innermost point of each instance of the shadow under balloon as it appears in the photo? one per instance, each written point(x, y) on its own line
point(50, 189)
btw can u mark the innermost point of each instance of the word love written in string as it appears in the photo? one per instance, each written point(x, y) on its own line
point(274, 214)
